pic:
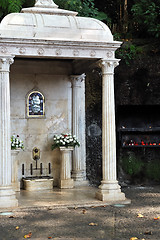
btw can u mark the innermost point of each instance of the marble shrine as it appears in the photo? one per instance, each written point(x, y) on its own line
point(44, 56)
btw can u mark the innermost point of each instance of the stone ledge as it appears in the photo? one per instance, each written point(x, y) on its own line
point(38, 184)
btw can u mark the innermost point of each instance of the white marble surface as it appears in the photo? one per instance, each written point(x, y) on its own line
point(65, 174)
point(15, 166)
point(55, 84)
point(38, 184)
point(60, 34)
point(7, 195)
point(109, 188)
point(78, 125)
point(57, 24)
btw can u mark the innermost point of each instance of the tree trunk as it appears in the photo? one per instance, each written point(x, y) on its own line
point(125, 17)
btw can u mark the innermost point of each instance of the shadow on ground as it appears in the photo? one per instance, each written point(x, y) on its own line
point(102, 223)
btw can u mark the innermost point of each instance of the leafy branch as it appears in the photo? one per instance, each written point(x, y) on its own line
point(128, 52)
point(9, 6)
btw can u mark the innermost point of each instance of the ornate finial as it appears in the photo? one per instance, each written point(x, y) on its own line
point(47, 7)
point(45, 4)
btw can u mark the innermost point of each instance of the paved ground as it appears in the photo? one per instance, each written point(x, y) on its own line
point(101, 223)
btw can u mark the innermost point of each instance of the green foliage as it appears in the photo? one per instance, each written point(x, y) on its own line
point(3, 8)
point(153, 170)
point(9, 6)
point(28, 3)
point(132, 164)
point(128, 52)
point(84, 8)
point(117, 36)
point(3, 4)
point(146, 14)
point(15, 5)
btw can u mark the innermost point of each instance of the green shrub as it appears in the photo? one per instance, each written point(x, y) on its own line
point(128, 52)
point(153, 170)
point(132, 164)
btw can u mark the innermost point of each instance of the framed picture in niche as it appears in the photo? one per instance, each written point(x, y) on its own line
point(35, 105)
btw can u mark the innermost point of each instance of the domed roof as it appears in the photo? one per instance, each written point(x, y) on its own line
point(45, 21)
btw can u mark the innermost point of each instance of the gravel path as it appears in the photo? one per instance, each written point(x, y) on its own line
point(103, 223)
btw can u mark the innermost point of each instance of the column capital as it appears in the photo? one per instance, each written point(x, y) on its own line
point(108, 66)
point(5, 62)
point(77, 79)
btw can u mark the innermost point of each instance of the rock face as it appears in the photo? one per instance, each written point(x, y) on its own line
point(94, 144)
point(94, 126)
point(136, 84)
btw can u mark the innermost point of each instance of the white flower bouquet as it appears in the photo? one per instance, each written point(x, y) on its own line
point(65, 140)
point(16, 143)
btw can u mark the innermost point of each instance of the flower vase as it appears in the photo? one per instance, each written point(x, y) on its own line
point(65, 172)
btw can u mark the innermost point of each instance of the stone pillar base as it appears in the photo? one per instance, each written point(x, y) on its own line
point(66, 183)
point(7, 198)
point(110, 191)
point(81, 183)
point(16, 186)
point(112, 196)
point(78, 175)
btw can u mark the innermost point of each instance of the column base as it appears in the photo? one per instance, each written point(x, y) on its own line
point(78, 175)
point(66, 183)
point(7, 198)
point(111, 192)
point(79, 178)
point(82, 183)
point(16, 186)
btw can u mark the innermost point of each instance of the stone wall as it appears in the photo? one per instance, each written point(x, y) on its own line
point(138, 83)
point(94, 126)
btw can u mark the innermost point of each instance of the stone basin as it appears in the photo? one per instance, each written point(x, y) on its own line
point(38, 183)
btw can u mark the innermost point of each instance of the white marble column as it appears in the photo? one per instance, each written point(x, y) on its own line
point(78, 129)
point(109, 190)
point(7, 195)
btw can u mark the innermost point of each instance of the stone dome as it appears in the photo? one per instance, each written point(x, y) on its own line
point(46, 22)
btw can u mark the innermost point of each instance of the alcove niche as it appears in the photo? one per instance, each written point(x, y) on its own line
point(28, 78)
